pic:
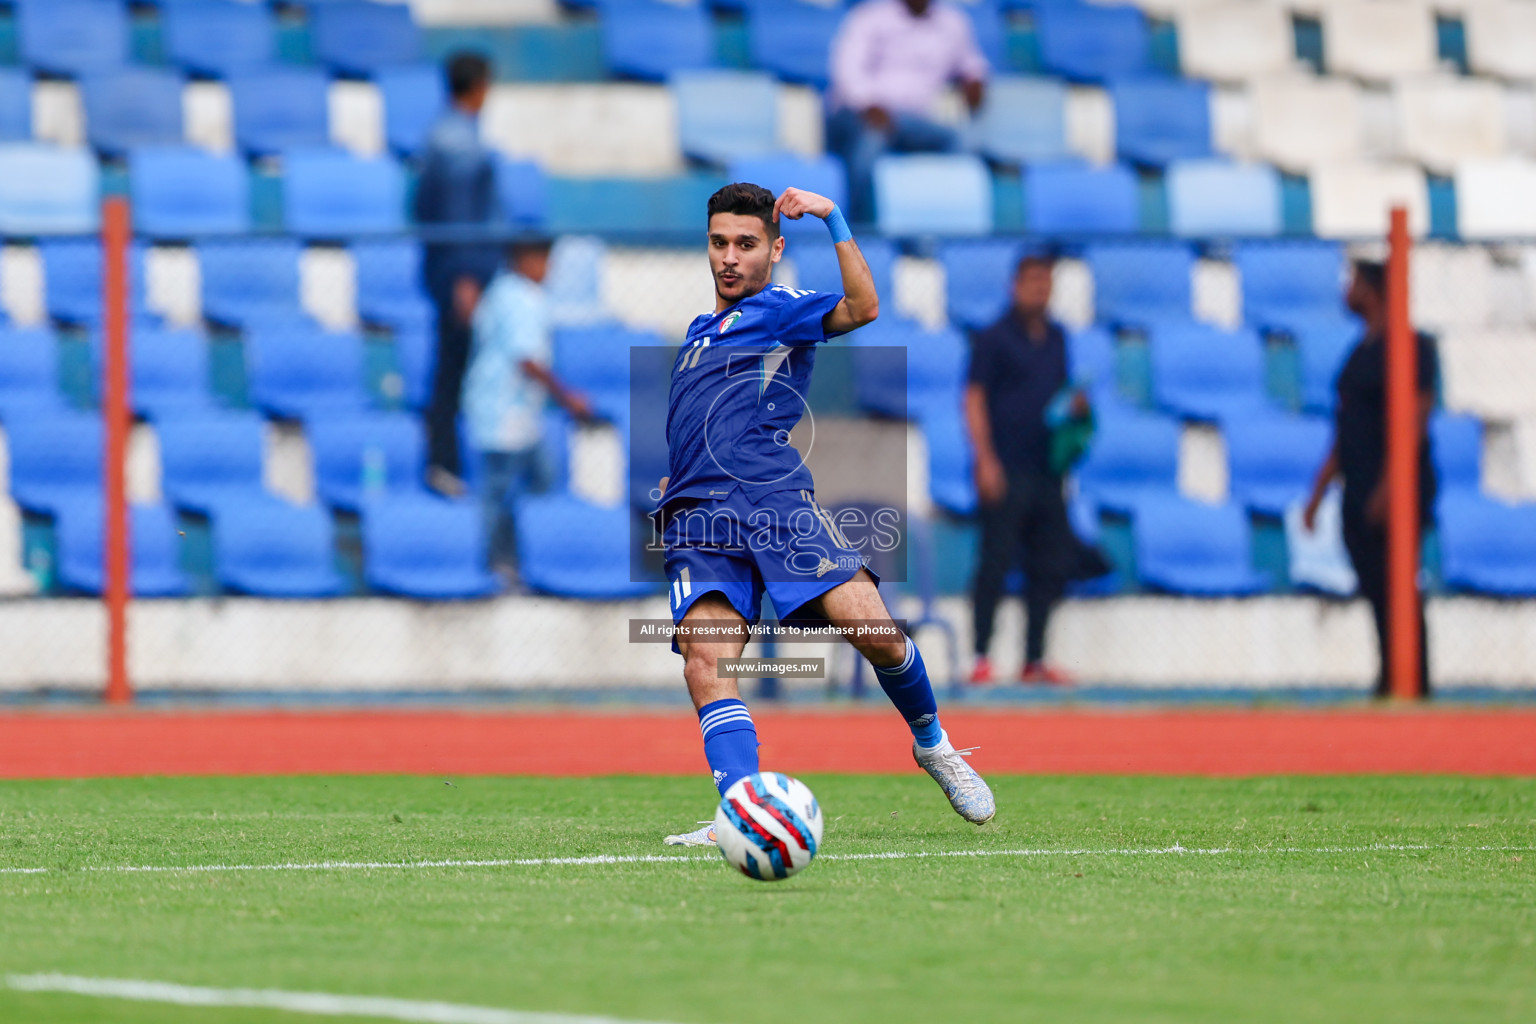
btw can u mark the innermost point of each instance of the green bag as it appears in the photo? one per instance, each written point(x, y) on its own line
point(1070, 435)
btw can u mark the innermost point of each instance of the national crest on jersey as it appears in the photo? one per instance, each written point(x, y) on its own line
point(737, 390)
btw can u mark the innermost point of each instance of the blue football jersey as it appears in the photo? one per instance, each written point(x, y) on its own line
point(738, 389)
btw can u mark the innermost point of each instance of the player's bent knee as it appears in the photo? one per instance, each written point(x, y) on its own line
point(882, 653)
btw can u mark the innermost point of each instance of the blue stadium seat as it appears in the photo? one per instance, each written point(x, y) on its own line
point(1091, 358)
point(933, 194)
point(423, 547)
point(414, 96)
point(1321, 348)
point(571, 548)
point(1071, 198)
point(1159, 120)
point(213, 38)
point(330, 193)
point(169, 370)
point(951, 485)
point(363, 456)
point(1206, 373)
point(297, 371)
point(991, 29)
point(1286, 282)
point(816, 267)
point(72, 37)
point(978, 279)
point(182, 191)
point(129, 107)
point(1185, 547)
point(269, 548)
point(1456, 445)
point(595, 361)
point(792, 38)
point(1215, 197)
point(1273, 459)
point(15, 105)
point(247, 280)
point(1141, 283)
point(29, 371)
point(824, 175)
point(389, 285)
point(280, 108)
point(48, 190)
point(1024, 120)
point(211, 459)
point(415, 360)
point(1487, 546)
point(1092, 43)
point(524, 192)
point(1132, 454)
point(155, 570)
point(651, 39)
point(725, 115)
point(72, 277)
point(903, 369)
point(56, 458)
point(359, 38)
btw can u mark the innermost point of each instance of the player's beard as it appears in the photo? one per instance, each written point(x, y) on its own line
point(746, 285)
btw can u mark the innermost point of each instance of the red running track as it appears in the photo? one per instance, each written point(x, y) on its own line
point(109, 743)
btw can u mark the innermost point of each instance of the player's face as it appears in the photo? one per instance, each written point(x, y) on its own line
point(740, 255)
point(1032, 289)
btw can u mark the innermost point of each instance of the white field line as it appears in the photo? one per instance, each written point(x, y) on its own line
point(321, 1003)
point(535, 862)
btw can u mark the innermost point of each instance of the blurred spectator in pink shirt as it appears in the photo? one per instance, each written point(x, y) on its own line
point(891, 61)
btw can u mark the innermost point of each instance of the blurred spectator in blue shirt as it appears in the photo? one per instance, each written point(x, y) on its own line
point(456, 205)
point(506, 389)
point(891, 61)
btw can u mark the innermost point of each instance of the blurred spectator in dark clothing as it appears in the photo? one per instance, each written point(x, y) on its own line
point(1359, 456)
point(456, 196)
point(1018, 370)
point(891, 61)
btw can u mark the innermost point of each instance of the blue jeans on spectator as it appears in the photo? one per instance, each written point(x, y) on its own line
point(508, 475)
point(861, 145)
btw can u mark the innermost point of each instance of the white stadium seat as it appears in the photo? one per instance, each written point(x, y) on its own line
point(1301, 122)
point(485, 12)
point(1378, 40)
point(1496, 198)
point(1353, 200)
point(1234, 40)
point(1501, 38)
point(1443, 120)
point(1489, 373)
point(586, 129)
point(1451, 286)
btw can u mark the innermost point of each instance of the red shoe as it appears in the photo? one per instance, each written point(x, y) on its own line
point(1043, 674)
point(981, 672)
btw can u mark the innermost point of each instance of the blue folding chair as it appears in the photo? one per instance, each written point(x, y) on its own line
point(595, 360)
point(48, 190)
point(571, 548)
point(1321, 349)
point(951, 484)
point(817, 269)
point(1091, 357)
point(904, 368)
point(524, 192)
point(169, 370)
point(1132, 454)
point(1092, 43)
point(1284, 283)
point(266, 547)
point(72, 37)
point(213, 38)
point(362, 457)
point(1073, 198)
point(1160, 120)
point(72, 274)
point(1185, 547)
point(359, 38)
point(792, 38)
point(15, 105)
point(1214, 198)
point(29, 372)
point(56, 458)
point(389, 284)
point(420, 546)
point(1140, 284)
point(155, 569)
point(1487, 546)
point(1456, 445)
point(330, 193)
point(933, 194)
point(211, 459)
point(414, 97)
point(182, 192)
point(651, 39)
point(1203, 372)
point(824, 175)
point(280, 108)
point(1024, 120)
point(1273, 459)
point(249, 280)
point(726, 115)
point(129, 107)
point(416, 360)
point(978, 278)
point(297, 371)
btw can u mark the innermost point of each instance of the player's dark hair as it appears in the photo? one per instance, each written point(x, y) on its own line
point(746, 200)
point(1034, 261)
point(1374, 274)
point(467, 71)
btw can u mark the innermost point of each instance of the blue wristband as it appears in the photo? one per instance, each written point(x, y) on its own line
point(838, 226)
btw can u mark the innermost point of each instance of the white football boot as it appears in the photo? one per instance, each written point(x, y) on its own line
point(699, 837)
point(968, 794)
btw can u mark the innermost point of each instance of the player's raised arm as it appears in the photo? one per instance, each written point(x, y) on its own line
point(860, 303)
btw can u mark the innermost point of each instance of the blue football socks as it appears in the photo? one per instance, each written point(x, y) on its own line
point(908, 687)
point(730, 740)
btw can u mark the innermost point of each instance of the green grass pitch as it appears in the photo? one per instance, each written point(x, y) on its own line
point(1305, 919)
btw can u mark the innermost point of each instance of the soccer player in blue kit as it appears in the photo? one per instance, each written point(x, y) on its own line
point(737, 511)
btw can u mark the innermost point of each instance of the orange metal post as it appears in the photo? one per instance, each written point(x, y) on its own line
point(115, 232)
point(1402, 470)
